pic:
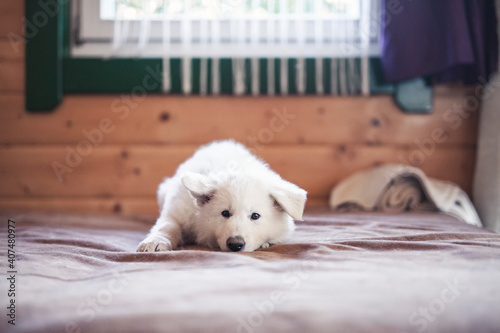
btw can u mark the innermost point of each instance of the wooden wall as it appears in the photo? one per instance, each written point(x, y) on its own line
point(138, 142)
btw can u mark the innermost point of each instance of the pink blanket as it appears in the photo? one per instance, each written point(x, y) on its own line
point(337, 273)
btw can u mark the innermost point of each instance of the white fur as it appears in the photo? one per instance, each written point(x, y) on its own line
point(220, 176)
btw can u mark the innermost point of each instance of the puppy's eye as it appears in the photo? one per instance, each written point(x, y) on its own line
point(226, 214)
point(255, 216)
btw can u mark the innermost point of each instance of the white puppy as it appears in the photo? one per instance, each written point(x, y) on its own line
point(224, 197)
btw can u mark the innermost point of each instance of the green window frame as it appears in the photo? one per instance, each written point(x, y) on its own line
point(51, 72)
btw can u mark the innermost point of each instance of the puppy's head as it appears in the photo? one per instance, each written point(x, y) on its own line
point(244, 213)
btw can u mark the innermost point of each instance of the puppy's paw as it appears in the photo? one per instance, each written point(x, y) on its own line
point(155, 244)
point(265, 245)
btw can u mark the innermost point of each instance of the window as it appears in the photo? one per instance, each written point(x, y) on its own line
point(227, 28)
point(323, 30)
point(235, 47)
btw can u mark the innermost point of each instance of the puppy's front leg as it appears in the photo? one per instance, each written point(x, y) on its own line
point(164, 236)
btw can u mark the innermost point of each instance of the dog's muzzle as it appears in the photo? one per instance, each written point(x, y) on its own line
point(235, 244)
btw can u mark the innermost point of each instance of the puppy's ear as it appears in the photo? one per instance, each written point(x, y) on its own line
point(199, 186)
point(290, 198)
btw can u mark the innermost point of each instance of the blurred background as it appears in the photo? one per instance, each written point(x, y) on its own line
point(106, 152)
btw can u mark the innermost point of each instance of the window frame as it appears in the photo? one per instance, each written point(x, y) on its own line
point(51, 72)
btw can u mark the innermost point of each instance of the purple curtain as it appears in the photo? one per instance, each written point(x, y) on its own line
point(452, 40)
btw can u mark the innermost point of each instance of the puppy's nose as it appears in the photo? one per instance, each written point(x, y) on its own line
point(235, 244)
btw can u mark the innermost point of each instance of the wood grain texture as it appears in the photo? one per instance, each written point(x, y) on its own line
point(195, 120)
point(9, 51)
point(120, 205)
point(324, 140)
point(110, 171)
point(12, 76)
point(11, 17)
point(12, 46)
point(116, 205)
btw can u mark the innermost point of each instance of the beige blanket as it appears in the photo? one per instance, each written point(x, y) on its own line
point(374, 272)
point(399, 188)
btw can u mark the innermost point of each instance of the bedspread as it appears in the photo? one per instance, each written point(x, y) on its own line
point(337, 273)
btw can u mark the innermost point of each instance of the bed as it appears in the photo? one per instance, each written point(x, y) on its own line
point(349, 272)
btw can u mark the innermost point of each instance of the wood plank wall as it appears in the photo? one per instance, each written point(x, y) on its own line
point(137, 142)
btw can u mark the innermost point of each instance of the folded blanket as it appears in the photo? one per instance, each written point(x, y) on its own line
point(400, 188)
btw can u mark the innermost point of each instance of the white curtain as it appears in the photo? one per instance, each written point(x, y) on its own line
point(344, 32)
